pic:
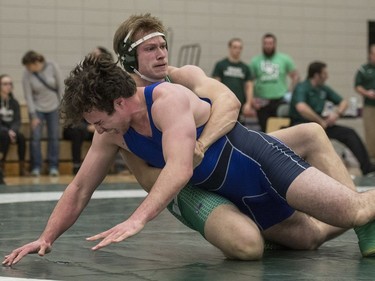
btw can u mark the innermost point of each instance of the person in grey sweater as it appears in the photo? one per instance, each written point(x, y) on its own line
point(43, 88)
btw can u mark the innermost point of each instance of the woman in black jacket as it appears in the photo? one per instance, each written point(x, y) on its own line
point(10, 123)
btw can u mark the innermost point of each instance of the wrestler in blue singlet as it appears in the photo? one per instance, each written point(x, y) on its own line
point(250, 168)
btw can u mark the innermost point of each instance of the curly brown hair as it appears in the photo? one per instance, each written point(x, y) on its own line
point(95, 83)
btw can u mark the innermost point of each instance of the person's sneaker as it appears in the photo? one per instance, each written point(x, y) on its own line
point(35, 172)
point(2, 182)
point(53, 172)
point(370, 175)
point(370, 172)
point(366, 239)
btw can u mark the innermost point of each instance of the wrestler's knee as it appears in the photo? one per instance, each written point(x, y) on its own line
point(245, 248)
point(235, 234)
point(313, 131)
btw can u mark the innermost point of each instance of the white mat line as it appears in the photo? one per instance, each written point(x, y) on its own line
point(6, 198)
point(22, 279)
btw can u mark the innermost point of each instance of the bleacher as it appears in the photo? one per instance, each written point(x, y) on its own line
point(65, 164)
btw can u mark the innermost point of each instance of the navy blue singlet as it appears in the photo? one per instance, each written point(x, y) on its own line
point(250, 168)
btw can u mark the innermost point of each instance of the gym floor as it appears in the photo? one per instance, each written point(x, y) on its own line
point(164, 250)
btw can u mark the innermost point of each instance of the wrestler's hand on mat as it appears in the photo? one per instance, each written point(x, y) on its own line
point(38, 246)
point(117, 233)
point(198, 153)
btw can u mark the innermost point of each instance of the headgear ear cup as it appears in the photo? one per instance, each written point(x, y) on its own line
point(128, 51)
point(128, 58)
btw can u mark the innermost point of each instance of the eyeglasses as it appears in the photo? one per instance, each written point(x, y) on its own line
point(7, 83)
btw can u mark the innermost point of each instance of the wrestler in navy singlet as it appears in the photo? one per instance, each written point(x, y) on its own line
point(250, 168)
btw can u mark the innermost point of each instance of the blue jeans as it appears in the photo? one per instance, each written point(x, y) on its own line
point(52, 121)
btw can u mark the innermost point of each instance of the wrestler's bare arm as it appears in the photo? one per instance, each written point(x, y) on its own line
point(179, 162)
point(74, 199)
point(225, 105)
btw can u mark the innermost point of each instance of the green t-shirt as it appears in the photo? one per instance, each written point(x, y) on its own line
point(234, 76)
point(270, 75)
point(315, 97)
point(365, 77)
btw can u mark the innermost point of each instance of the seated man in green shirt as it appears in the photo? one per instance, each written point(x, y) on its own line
point(307, 105)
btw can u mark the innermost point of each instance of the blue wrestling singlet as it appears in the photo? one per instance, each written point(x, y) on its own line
point(250, 168)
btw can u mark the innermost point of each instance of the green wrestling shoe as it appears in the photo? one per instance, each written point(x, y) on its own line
point(366, 239)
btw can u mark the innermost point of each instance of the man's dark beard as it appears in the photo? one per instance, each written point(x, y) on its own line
point(269, 54)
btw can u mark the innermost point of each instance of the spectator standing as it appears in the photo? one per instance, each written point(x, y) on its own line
point(235, 74)
point(270, 71)
point(308, 103)
point(365, 85)
point(43, 88)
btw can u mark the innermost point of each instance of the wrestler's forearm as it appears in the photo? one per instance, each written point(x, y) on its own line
point(224, 114)
point(66, 212)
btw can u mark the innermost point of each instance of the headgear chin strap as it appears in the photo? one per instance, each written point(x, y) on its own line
point(144, 77)
point(128, 53)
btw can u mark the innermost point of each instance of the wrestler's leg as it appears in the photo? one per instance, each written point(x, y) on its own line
point(316, 194)
point(206, 213)
point(219, 222)
point(310, 141)
point(300, 232)
point(234, 233)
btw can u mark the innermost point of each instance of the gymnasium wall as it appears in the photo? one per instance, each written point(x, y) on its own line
point(334, 31)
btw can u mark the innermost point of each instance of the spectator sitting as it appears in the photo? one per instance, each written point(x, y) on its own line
point(307, 105)
point(10, 123)
point(77, 135)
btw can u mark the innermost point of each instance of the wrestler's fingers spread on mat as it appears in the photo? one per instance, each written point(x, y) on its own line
point(98, 236)
point(31, 248)
point(13, 258)
point(104, 243)
point(7, 260)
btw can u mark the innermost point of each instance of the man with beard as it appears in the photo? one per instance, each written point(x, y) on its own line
point(270, 71)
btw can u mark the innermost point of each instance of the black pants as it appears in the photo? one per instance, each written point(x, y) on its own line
point(5, 142)
point(270, 110)
point(351, 140)
point(77, 136)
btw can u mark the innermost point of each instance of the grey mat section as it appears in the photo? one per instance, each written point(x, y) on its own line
point(164, 250)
